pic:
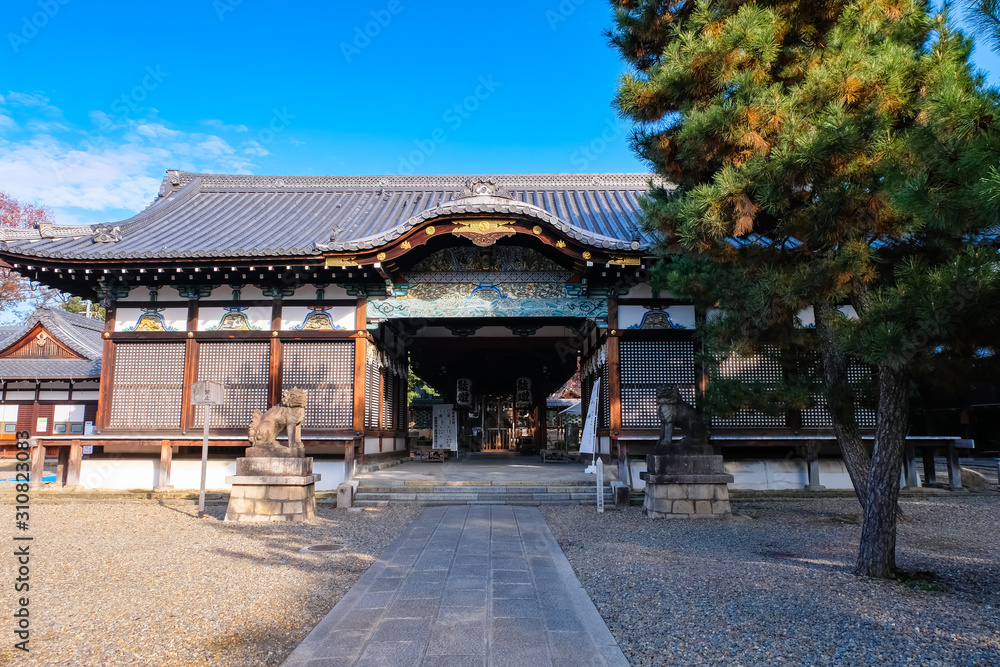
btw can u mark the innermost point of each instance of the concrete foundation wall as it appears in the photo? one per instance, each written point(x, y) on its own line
point(185, 474)
point(771, 475)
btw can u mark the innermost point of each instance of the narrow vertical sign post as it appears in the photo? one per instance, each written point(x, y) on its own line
point(600, 485)
point(205, 393)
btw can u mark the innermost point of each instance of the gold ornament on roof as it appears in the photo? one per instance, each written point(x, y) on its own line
point(380, 257)
point(586, 254)
point(485, 233)
point(405, 245)
point(560, 243)
point(430, 231)
point(536, 230)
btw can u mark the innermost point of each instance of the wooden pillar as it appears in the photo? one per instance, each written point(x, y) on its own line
point(166, 462)
point(106, 387)
point(954, 469)
point(190, 367)
point(360, 359)
point(62, 465)
point(930, 472)
point(541, 425)
point(37, 469)
point(614, 378)
point(349, 459)
point(910, 466)
point(274, 377)
point(75, 463)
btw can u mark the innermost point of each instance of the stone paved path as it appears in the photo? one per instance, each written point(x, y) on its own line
point(465, 585)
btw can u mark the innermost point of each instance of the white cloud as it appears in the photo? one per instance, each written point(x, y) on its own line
point(96, 175)
point(215, 122)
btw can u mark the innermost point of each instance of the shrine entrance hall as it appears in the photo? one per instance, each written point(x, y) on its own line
point(492, 378)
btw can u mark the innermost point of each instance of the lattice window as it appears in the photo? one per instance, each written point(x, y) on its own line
point(389, 401)
point(645, 366)
point(760, 367)
point(605, 399)
point(148, 385)
point(424, 416)
point(818, 416)
point(372, 393)
point(326, 371)
point(244, 369)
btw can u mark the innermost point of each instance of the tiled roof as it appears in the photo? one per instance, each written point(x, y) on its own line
point(231, 216)
point(79, 333)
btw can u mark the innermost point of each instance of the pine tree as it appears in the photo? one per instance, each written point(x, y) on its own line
point(785, 131)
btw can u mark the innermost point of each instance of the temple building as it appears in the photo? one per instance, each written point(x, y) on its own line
point(50, 368)
point(495, 290)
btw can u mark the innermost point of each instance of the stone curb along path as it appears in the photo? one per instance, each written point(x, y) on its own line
point(465, 585)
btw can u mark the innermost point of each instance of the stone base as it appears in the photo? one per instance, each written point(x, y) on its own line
point(686, 487)
point(266, 502)
point(275, 451)
point(272, 488)
point(686, 501)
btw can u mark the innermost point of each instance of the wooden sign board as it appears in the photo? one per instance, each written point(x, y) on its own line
point(207, 393)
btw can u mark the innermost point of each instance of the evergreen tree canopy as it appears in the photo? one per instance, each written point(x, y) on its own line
point(820, 154)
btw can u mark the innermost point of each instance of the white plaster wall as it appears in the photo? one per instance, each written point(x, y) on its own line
point(371, 445)
point(342, 316)
point(174, 318)
point(186, 473)
point(258, 316)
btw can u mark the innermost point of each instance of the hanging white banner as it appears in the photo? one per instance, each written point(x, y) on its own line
point(590, 423)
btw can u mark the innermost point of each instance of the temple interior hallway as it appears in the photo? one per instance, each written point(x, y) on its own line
point(470, 586)
point(480, 467)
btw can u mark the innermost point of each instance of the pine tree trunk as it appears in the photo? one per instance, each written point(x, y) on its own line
point(877, 557)
point(840, 403)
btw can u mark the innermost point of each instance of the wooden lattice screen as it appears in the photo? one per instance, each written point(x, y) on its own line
point(148, 386)
point(243, 368)
point(764, 367)
point(645, 367)
point(818, 416)
point(326, 371)
point(372, 392)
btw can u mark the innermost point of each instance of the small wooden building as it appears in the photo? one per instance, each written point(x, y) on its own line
point(50, 368)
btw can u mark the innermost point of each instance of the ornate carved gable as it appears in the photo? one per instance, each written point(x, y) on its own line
point(38, 343)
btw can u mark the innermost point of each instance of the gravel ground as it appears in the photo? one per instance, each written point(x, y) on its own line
point(773, 585)
point(142, 583)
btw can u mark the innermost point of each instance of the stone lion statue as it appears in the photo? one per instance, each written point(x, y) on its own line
point(289, 414)
point(673, 411)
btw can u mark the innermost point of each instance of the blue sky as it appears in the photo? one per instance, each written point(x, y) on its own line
point(97, 99)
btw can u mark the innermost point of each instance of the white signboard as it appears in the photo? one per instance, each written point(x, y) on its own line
point(206, 393)
point(445, 428)
point(590, 424)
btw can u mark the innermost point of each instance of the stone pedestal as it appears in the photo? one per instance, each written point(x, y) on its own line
point(686, 486)
point(272, 488)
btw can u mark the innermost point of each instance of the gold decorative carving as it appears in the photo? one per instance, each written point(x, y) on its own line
point(380, 257)
point(405, 245)
point(536, 230)
point(586, 254)
point(341, 261)
point(485, 233)
point(430, 231)
point(625, 260)
point(560, 243)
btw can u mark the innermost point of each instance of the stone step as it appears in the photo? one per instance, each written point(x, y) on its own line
point(401, 488)
point(528, 503)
